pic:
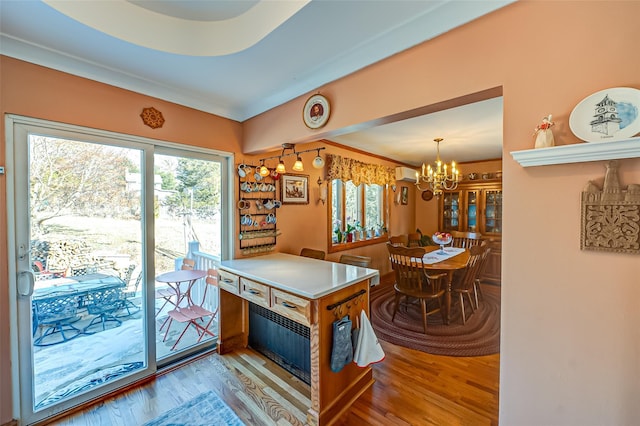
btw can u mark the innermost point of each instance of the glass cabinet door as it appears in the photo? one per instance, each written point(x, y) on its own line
point(472, 211)
point(451, 211)
point(493, 212)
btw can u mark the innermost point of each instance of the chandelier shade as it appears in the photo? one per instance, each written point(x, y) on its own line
point(441, 177)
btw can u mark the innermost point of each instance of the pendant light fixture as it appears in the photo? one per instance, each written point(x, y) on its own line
point(318, 162)
point(297, 166)
point(264, 171)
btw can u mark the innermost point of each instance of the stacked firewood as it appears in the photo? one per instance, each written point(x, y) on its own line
point(66, 257)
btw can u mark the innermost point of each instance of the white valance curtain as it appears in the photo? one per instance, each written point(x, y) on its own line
point(346, 169)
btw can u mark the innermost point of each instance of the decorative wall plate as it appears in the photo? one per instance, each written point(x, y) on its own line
point(315, 113)
point(427, 195)
point(608, 115)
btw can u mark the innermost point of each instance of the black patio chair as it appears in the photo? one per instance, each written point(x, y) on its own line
point(55, 314)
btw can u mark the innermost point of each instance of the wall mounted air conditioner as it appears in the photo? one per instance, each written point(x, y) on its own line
point(405, 173)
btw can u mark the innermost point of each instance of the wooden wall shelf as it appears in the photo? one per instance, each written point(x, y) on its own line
point(578, 153)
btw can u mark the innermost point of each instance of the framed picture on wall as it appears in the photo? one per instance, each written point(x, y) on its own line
point(316, 111)
point(404, 195)
point(294, 189)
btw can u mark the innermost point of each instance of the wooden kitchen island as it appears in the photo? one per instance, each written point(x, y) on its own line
point(313, 293)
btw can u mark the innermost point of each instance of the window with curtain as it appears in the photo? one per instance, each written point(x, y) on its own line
point(359, 202)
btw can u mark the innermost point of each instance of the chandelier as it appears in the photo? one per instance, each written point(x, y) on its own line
point(440, 178)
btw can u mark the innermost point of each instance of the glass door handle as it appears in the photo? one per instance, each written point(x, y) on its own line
point(26, 283)
point(23, 252)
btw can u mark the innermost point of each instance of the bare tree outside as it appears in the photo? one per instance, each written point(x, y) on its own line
point(69, 177)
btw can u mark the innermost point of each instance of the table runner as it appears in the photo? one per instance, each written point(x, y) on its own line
point(435, 256)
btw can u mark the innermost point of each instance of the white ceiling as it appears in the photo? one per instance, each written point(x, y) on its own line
point(238, 59)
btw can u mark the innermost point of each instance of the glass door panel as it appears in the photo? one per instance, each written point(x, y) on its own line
point(81, 326)
point(472, 211)
point(451, 211)
point(187, 225)
point(82, 208)
point(493, 212)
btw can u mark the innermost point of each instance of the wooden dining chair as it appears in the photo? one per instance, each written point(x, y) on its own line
point(401, 240)
point(350, 259)
point(465, 239)
point(465, 284)
point(413, 282)
point(414, 239)
point(477, 288)
point(312, 253)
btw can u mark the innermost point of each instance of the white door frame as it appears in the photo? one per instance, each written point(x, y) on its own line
point(17, 130)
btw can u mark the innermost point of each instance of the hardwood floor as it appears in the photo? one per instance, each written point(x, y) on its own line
point(411, 388)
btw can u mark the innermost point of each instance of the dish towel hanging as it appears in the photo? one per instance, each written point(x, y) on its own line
point(368, 349)
point(342, 350)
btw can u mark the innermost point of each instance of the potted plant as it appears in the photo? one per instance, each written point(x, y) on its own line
point(338, 237)
point(349, 232)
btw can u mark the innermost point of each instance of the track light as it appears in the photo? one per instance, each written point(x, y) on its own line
point(264, 171)
point(297, 166)
point(318, 162)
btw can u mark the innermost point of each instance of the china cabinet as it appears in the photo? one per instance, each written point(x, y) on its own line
point(476, 206)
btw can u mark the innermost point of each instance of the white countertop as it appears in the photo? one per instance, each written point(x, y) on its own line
point(302, 276)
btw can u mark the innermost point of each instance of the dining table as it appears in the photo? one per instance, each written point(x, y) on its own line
point(455, 259)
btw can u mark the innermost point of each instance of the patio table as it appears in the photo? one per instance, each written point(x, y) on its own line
point(76, 286)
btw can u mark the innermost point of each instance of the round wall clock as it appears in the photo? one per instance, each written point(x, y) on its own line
point(315, 113)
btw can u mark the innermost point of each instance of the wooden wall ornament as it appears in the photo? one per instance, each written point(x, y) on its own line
point(611, 215)
point(152, 117)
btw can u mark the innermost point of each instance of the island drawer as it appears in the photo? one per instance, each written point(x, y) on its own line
point(293, 307)
point(255, 292)
point(229, 282)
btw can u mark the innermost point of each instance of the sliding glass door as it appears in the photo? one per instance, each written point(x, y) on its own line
point(84, 207)
point(188, 198)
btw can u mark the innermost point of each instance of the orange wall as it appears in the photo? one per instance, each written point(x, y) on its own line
point(306, 225)
point(570, 348)
point(35, 91)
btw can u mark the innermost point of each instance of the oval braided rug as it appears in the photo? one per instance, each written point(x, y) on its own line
point(479, 336)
